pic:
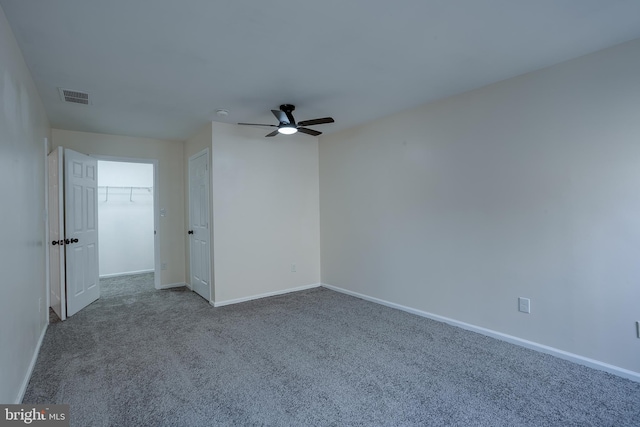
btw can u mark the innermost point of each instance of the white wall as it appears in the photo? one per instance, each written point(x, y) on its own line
point(529, 187)
point(23, 127)
point(170, 185)
point(265, 200)
point(125, 218)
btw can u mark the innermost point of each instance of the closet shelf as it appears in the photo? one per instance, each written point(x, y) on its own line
point(109, 187)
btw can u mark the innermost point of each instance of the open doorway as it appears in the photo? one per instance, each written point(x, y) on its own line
point(126, 227)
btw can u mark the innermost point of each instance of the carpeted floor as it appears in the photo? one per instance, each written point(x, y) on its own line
point(120, 286)
point(310, 358)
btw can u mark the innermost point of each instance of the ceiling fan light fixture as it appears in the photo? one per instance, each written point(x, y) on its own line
point(287, 124)
point(287, 130)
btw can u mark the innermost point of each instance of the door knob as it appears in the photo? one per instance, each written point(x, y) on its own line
point(190, 231)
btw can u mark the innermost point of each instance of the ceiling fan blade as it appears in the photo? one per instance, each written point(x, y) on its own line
point(274, 133)
point(281, 116)
point(290, 117)
point(256, 124)
point(309, 131)
point(316, 121)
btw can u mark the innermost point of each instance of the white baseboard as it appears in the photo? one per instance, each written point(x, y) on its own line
point(128, 273)
point(173, 285)
point(591, 363)
point(34, 358)
point(268, 294)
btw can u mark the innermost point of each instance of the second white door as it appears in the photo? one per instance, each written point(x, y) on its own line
point(199, 236)
point(81, 230)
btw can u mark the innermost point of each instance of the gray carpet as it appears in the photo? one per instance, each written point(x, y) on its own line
point(310, 358)
point(126, 285)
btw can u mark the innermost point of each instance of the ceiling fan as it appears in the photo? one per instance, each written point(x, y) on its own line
point(288, 125)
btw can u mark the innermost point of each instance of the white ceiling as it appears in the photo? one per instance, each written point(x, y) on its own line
point(161, 68)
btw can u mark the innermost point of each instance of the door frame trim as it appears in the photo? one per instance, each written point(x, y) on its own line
point(61, 261)
point(156, 207)
point(47, 265)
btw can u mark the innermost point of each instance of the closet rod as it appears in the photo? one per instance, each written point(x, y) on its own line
point(125, 188)
point(107, 187)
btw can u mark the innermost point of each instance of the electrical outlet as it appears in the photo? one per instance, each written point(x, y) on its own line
point(163, 266)
point(293, 268)
point(524, 305)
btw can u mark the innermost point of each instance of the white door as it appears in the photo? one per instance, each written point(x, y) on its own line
point(81, 227)
point(56, 234)
point(199, 224)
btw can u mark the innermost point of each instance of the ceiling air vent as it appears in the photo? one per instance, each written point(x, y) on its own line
point(74, 96)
